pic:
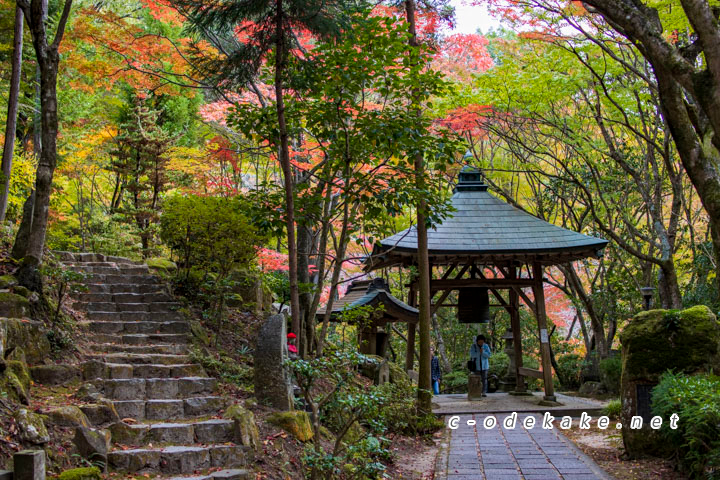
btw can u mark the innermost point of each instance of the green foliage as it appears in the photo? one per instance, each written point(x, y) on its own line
point(209, 233)
point(696, 400)
point(611, 371)
point(613, 409)
point(570, 368)
point(224, 367)
point(62, 282)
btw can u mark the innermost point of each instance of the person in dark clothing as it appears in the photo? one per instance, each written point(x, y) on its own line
point(435, 372)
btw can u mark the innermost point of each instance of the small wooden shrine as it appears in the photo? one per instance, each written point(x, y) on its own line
point(486, 247)
point(373, 337)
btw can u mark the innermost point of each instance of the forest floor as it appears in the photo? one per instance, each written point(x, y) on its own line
point(414, 457)
point(605, 447)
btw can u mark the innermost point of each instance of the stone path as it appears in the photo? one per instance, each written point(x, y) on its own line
point(477, 453)
point(500, 402)
point(139, 360)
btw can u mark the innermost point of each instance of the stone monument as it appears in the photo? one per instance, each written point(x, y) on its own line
point(654, 342)
point(271, 377)
point(475, 387)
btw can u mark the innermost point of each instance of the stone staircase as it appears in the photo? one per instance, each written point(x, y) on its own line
point(139, 360)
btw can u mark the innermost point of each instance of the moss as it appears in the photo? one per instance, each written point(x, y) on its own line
point(29, 336)
point(397, 374)
point(246, 431)
point(682, 340)
point(85, 473)
point(7, 281)
point(16, 381)
point(68, 416)
point(31, 426)
point(199, 333)
point(161, 266)
point(13, 305)
point(296, 422)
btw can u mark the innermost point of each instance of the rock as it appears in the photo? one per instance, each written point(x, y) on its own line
point(655, 341)
point(55, 374)
point(475, 387)
point(246, 431)
point(31, 426)
point(22, 291)
point(126, 434)
point(13, 305)
point(93, 369)
point(68, 416)
point(296, 422)
point(7, 281)
point(413, 376)
point(271, 377)
point(199, 333)
point(161, 266)
point(592, 388)
point(398, 375)
point(101, 413)
point(88, 393)
point(15, 380)
point(24, 335)
point(376, 368)
point(92, 444)
point(84, 473)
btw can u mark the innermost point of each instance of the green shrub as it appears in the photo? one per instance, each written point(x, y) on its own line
point(696, 400)
point(569, 371)
point(613, 409)
point(610, 372)
point(455, 381)
point(499, 363)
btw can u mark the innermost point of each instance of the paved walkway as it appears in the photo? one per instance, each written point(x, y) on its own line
point(459, 404)
point(477, 453)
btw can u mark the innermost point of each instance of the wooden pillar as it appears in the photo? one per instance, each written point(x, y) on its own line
point(410, 352)
point(542, 327)
point(517, 334)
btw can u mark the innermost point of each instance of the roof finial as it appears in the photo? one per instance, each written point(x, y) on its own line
point(470, 180)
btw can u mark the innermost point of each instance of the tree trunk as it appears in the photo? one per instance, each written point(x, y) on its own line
point(23, 233)
point(11, 124)
point(444, 362)
point(424, 395)
point(287, 174)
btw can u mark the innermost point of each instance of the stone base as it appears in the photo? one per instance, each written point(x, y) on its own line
point(549, 403)
point(520, 394)
point(507, 385)
point(475, 387)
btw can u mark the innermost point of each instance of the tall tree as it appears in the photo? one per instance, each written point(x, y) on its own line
point(48, 59)
point(11, 124)
point(245, 32)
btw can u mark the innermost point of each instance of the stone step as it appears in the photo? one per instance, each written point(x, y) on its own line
point(141, 358)
point(141, 288)
point(123, 297)
point(207, 431)
point(161, 307)
point(157, 388)
point(89, 257)
point(127, 326)
point(177, 459)
point(117, 278)
point(145, 339)
point(134, 317)
point(102, 370)
point(165, 348)
point(107, 268)
point(169, 409)
point(228, 474)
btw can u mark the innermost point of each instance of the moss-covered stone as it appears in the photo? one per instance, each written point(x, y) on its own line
point(27, 336)
point(654, 342)
point(13, 305)
point(296, 422)
point(398, 374)
point(15, 381)
point(199, 333)
point(124, 434)
point(85, 473)
point(22, 291)
point(57, 374)
point(68, 416)
point(162, 266)
point(31, 426)
point(7, 281)
point(246, 431)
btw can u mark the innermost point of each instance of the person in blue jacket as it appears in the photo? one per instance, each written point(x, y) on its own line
point(480, 353)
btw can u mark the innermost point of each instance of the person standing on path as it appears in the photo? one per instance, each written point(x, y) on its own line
point(480, 353)
point(435, 372)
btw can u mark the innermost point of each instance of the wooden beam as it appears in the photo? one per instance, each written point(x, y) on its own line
point(530, 372)
point(542, 330)
point(525, 298)
point(454, 284)
point(446, 293)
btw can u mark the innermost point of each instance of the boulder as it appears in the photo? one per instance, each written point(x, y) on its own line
point(246, 431)
point(13, 305)
point(92, 444)
point(654, 342)
point(84, 473)
point(7, 281)
point(55, 374)
point(592, 388)
point(68, 416)
point(398, 374)
point(22, 291)
point(124, 434)
point(296, 423)
point(26, 336)
point(101, 413)
point(161, 266)
point(15, 380)
point(31, 426)
point(271, 376)
point(88, 393)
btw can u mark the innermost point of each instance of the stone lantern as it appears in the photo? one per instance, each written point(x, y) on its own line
point(509, 381)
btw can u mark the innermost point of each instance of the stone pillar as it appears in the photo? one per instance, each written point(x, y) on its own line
point(29, 465)
point(271, 377)
point(475, 387)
